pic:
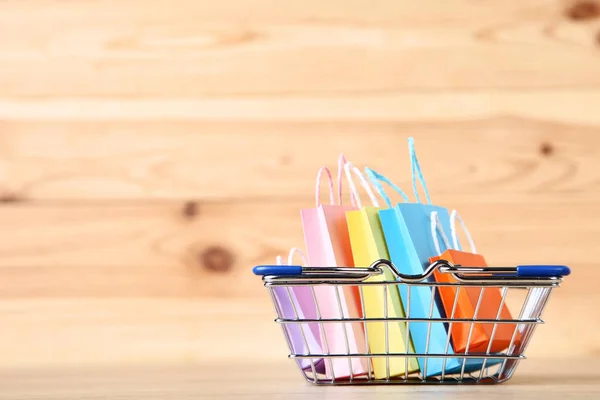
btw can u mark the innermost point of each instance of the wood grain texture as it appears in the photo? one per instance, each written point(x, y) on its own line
point(151, 331)
point(153, 250)
point(486, 159)
point(152, 152)
point(558, 105)
point(184, 48)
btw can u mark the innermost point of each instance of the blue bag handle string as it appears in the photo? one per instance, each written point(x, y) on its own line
point(377, 178)
point(416, 171)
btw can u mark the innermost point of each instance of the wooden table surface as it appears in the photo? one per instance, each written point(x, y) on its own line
point(153, 151)
point(547, 379)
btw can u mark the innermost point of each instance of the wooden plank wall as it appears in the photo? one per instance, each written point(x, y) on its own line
point(152, 152)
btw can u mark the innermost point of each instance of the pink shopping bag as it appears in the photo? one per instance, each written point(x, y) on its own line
point(328, 245)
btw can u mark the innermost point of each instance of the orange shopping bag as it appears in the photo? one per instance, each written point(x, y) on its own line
point(484, 337)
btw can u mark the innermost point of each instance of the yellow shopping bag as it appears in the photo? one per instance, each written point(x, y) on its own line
point(368, 245)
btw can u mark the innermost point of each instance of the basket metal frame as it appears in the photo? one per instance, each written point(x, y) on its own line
point(538, 290)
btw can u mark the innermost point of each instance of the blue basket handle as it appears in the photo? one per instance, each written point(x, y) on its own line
point(521, 271)
point(279, 270)
point(542, 271)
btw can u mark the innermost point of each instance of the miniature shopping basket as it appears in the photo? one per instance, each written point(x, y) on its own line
point(525, 289)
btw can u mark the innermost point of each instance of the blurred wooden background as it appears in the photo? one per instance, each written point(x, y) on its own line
point(152, 152)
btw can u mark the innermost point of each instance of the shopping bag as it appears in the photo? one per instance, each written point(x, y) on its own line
point(302, 338)
point(328, 245)
point(368, 245)
point(483, 337)
point(407, 232)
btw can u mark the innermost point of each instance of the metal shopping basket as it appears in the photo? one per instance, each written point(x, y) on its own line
point(524, 288)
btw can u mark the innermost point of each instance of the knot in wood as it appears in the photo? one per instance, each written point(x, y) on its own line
point(584, 10)
point(216, 259)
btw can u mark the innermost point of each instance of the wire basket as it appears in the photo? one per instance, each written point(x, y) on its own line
point(523, 288)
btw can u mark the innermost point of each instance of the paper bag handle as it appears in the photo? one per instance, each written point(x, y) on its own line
point(436, 227)
point(416, 171)
point(290, 259)
point(341, 162)
point(453, 217)
point(364, 183)
point(294, 251)
point(282, 269)
point(318, 186)
point(376, 178)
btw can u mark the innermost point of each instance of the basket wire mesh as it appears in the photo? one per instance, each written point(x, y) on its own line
point(528, 294)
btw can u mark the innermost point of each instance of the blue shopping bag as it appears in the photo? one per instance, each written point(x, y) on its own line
point(407, 231)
